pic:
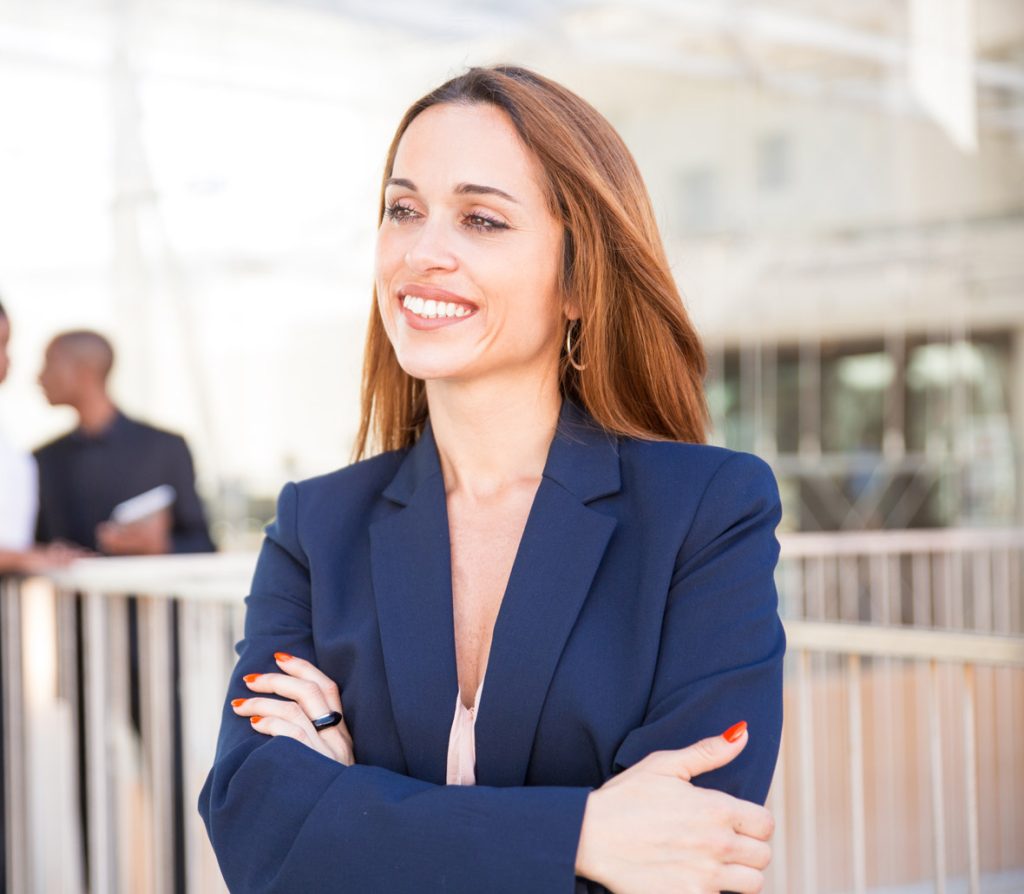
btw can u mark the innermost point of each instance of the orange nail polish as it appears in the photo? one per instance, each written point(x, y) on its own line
point(735, 731)
point(235, 702)
point(282, 656)
point(256, 718)
point(250, 677)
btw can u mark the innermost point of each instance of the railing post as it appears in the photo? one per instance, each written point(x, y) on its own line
point(859, 854)
point(155, 682)
point(99, 767)
point(15, 767)
point(777, 805)
point(808, 837)
point(935, 753)
point(971, 784)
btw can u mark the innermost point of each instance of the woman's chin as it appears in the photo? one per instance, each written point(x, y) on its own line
point(440, 368)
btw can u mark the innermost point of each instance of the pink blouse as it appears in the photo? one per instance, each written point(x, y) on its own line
point(462, 742)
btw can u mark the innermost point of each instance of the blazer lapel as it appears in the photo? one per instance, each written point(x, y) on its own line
point(561, 548)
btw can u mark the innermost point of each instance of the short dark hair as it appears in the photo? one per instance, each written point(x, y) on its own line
point(3, 313)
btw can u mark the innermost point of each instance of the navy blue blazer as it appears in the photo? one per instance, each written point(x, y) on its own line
point(640, 615)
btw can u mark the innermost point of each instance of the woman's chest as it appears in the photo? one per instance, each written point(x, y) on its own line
point(560, 620)
point(484, 544)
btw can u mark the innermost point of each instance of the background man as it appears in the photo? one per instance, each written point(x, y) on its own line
point(107, 459)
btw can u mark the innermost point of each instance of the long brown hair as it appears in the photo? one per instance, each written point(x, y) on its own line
point(644, 361)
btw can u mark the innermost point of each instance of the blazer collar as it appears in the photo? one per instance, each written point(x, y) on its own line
point(562, 546)
point(583, 458)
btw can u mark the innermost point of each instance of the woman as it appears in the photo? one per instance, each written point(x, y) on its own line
point(545, 516)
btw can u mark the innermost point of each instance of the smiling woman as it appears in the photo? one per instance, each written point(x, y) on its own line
point(543, 186)
point(543, 517)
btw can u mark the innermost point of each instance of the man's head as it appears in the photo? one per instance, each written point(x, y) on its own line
point(5, 337)
point(76, 367)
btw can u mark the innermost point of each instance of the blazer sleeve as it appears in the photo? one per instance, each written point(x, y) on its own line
point(282, 817)
point(722, 643)
point(722, 646)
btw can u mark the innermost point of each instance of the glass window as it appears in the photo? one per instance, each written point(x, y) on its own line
point(853, 399)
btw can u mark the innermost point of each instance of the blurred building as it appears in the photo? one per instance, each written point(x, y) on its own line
point(840, 186)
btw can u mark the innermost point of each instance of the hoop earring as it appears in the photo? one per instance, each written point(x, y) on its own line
point(568, 349)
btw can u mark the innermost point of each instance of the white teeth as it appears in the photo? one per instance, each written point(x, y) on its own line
point(430, 309)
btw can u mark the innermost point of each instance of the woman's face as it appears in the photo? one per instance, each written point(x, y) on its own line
point(449, 234)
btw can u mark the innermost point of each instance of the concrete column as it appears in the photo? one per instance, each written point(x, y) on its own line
point(1017, 414)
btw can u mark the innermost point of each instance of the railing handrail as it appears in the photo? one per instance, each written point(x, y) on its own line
point(846, 638)
point(217, 577)
point(225, 577)
point(813, 544)
point(125, 573)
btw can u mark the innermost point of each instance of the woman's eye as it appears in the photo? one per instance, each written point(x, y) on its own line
point(394, 211)
point(481, 222)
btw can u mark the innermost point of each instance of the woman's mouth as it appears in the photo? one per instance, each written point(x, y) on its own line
point(432, 313)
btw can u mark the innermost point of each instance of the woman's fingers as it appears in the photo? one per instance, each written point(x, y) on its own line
point(750, 852)
point(306, 694)
point(741, 879)
point(752, 820)
point(288, 712)
point(305, 670)
point(309, 696)
point(277, 726)
point(270, 707)
point(651, 828)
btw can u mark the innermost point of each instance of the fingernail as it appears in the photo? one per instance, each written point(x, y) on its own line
point(250, 677)
point(735, 731)
point(282, 656)
point(256, 718)
point(235, 702)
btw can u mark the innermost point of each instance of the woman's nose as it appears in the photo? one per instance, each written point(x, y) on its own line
point(431, 247)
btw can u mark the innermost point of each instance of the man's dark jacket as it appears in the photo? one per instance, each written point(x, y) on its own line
point(83, 477)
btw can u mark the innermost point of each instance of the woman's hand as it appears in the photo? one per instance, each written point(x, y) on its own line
point(650, 830)
point(306, 693)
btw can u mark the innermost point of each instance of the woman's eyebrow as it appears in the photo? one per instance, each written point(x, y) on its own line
point(460, 188)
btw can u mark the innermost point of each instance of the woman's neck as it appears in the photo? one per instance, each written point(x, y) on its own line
point(492, 436)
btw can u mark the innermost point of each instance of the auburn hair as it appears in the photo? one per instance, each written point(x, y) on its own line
point(644, 361)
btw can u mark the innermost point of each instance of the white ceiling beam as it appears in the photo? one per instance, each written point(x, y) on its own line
point(765, 24)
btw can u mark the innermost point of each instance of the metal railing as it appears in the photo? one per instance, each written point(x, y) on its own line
point(900, 749)
point(952, 579)
point(129, 689)
point(899, 768)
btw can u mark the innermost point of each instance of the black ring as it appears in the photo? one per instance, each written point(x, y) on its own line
point(327, 721)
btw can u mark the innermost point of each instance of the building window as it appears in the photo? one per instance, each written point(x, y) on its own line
point(698, 200)
point(773, 161)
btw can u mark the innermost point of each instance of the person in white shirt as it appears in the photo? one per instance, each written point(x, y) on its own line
point(19, 496)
